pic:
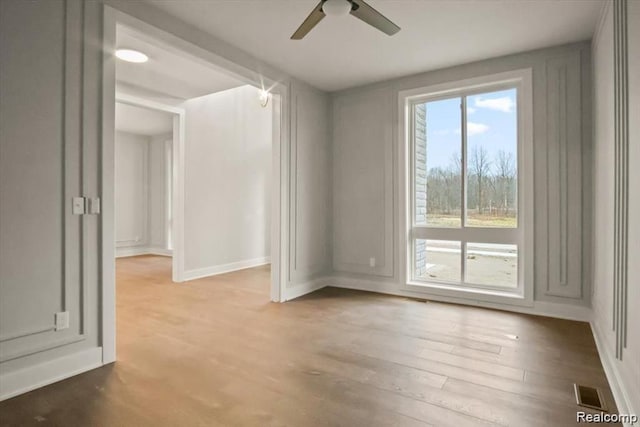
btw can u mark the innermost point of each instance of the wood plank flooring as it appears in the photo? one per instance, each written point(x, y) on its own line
point(216, 352)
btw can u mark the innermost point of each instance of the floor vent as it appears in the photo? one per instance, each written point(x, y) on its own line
point(589, 397)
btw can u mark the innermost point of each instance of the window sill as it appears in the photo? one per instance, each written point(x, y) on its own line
point(515, 297)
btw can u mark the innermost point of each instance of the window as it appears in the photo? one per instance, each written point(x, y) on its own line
point(465, 229)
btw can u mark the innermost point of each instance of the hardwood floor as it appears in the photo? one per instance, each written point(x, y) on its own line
point(216, 352)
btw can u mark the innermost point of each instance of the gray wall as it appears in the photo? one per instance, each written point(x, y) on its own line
point(363, 193)
point(366, 186)
point(310, 216)
point(627, 370)
point(49, 114)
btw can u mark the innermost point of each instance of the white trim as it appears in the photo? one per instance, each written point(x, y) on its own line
point(280, 194)
point(306, 288)
point(225, 268)
point(177, 196)
point(620, 391)
point(142, 250)
point(107, 191)
point(33, 377)
point(522, 80)
point(159, 251)
point(131, 251)
point(580, 313)
point(539, 308)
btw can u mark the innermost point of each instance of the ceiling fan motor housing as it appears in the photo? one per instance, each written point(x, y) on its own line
point(337, 7)
point(357, 8)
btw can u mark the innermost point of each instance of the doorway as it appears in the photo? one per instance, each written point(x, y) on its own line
point(169, 99)
point(147, 137)
point(143, 184)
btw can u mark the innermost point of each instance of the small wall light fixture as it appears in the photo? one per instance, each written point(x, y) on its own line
point(264, 97)
point(131, 55)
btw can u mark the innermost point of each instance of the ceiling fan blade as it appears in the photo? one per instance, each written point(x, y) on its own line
point(312, 20)
point(366, 13)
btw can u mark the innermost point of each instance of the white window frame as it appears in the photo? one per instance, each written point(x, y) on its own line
point(521, 80)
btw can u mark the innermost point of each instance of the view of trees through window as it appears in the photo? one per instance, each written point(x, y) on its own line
point(464, 183)
point(491, 161)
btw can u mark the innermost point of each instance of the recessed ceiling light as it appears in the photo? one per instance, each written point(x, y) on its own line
point(131, 55)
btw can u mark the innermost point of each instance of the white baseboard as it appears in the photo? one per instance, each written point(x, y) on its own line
point(130, 251)
point(580, 313)
point(224, 268)
point(621, 392)
point(540, 308)
point(24, 380)
point(160, 251)
point(141, 250)
point(305, 288)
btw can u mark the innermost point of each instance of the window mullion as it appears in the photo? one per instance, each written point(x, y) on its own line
point(463, 182)
point(463, 161)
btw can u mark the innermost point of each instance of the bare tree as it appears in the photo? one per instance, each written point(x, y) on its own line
point(455, 164)
point(480, 168)
point(506, 171)
point(454, 183)
point(505, 165)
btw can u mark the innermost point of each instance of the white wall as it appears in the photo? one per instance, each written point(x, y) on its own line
point(228, 140)
point(141, 193)
point(624, 375)
point(159, 190)
point(366, 183)
point(227, 184)
point(131, 189)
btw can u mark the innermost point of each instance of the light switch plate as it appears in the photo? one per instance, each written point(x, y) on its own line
point(78, 207)
point(94, 205)
point(62, 320)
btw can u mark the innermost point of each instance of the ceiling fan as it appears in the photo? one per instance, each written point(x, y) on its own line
point(357, 8)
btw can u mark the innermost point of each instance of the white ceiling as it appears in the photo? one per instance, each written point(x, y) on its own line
point(169, 71)
point(142, 121)
point(344, 52)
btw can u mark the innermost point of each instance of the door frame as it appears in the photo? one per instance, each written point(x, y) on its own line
point(281, 165)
